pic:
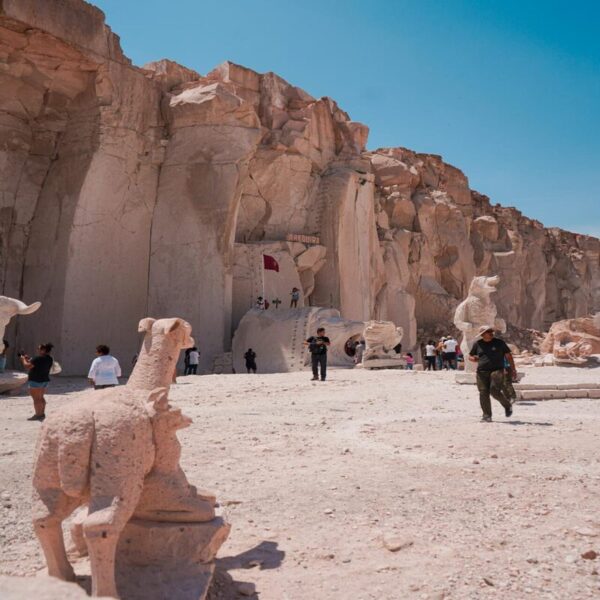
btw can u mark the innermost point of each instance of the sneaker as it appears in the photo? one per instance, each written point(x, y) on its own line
point(315, 379)
point(37, 418)
point(508, 411)
point(486, 419)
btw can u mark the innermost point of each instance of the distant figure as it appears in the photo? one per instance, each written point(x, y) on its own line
point(450, 346)
point(439, 353)
point(3, 356)
point(193, 361)
point(104, 370)
point(358, 352)
point(491, 354)
point(295, 294)
point(267, 304)
point(318, 350)
point(260, 303)
point(430, 356)
point(410, 361)
point(38, 379)
point(250, 357)
point(186, 361)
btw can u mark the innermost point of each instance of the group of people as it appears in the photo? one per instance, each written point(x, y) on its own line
point(495, 367)
point(443, 355)
point(263, 304)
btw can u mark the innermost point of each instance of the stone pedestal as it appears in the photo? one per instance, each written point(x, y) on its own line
point(158, 560)
point(168, 560)
point(384, 363)
point(11, 381)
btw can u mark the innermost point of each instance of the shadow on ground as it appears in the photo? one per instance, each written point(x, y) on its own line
point(265, 555)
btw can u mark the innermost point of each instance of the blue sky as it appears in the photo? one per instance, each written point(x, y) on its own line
point(506, 90)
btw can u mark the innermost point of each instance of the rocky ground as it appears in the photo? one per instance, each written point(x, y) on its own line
point(372, 485)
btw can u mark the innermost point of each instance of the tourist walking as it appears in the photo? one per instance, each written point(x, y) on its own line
point(489, 353)
point(449, 347)
point(38, 378)
point(3, 356)
point(193, 361)
point(104, 370)
point(250, 357)
point(295, 294)
point(430, 356)
point(317, 346)
point(410, 361)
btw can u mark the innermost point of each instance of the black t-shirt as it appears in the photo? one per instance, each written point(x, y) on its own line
point(40, 372)
point(250, 356)
point(491, 354)
point(318, 348)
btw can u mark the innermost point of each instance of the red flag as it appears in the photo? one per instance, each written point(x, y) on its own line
point(270, 263)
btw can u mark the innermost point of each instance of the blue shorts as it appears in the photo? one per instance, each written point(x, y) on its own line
point(38, 384)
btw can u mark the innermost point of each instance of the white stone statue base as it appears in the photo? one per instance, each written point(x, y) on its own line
point(384, 363)
point(11, 381)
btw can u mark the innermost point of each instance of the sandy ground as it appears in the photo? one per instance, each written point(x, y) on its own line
point(316, 478)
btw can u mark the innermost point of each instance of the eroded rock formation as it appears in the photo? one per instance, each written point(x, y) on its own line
point(127, 190)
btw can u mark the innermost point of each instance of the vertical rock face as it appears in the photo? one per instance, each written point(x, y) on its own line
point(128, 190)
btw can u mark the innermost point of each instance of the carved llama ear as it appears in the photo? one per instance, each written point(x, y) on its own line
point(171, 324)
point(146, 324)
point(158, 398)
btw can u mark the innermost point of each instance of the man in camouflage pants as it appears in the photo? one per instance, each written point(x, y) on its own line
point(490, 354)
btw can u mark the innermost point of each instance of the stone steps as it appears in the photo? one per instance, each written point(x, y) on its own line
point(558, 392)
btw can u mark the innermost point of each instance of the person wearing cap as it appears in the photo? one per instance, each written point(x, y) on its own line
point(489, 353)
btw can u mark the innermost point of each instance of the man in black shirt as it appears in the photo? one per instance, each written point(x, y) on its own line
point(490, 354)
point(318, 350)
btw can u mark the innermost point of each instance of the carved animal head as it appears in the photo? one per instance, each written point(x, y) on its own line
point(163, 341)
point(10, 307)
point(177, 330)
point(483, 286)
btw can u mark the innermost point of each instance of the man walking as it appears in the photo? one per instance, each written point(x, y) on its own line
point(104, 370)
point(489, 353)
point(318, 350)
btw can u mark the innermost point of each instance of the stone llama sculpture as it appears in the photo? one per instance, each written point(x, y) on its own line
point(476, 310)
point(9, 308)
point(117, 451)
point(381, 337)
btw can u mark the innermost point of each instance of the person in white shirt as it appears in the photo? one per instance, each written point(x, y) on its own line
point(430, 356)
point(450, 352)
point(105, 369)
point(193, 361)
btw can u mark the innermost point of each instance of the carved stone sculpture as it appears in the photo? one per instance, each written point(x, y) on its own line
point(9, 308)
point(381, 339)
point(572, 341)
point(117, 451)
point(277, 337)
point(476, 310)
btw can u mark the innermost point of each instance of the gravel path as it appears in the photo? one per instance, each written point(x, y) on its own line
point(378, 484)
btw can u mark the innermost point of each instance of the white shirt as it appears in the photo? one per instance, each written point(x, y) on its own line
point(105, 370)
point(450, 345)
point(429, 350)
point(193, 357)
